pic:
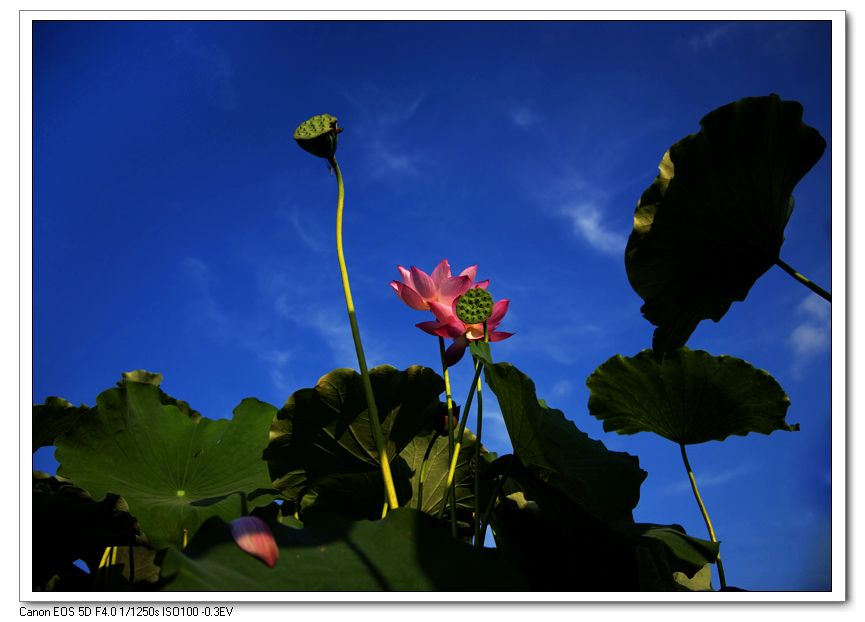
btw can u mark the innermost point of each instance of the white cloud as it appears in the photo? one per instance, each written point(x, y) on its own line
point(809, 339)
point(812, 336)
point(587, 222)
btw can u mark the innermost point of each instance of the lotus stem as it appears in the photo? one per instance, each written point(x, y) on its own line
point(704, 512)
point(375, 424)
point(448, 493)
point(803, 279)
point(461, 431)
point(423, 466)
point(478, 541)
point(485, 519)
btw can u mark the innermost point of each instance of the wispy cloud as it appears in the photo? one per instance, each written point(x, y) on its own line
point(384, 160)
point(562, 388)
point(379, 118)
point(714, 37)
point(523, 117)
point(812, 336)
point(305, 230)
point(229, 331)
point(709, 480)
point(588, 224)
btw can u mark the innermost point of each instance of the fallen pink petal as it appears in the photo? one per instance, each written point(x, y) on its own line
point(254, 536)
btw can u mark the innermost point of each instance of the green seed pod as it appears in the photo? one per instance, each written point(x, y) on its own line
point(318, 135)
point(475, 306)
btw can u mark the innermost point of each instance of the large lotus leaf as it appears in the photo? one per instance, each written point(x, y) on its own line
point(559, 546)
point(689, 397)
point(713, 221)
point(69, 525)
point(322, 453)
point(173, 469)
point(53, 418)
point(603, 482)
point(407, 551)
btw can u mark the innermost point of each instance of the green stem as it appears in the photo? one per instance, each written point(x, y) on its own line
point(450, 403)
point(462, 429)
point(704, 512)
point(485, 519)
point(477, 530)
point(375, 424)
point(423, 470)
point(803, 279)
point(478, 541)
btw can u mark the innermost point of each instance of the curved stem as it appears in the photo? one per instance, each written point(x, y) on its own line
point(450, 403)
point(375, 424)
point(803, 279)
point(704, 512)
point(461, 431)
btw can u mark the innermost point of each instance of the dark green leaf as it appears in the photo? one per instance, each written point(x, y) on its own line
point(407, 551)
point(69, 525)
point(689, 397)
point(53, 418)
point(481, 350)
point(605, 483)
point(174, 470)
point(322, 453)
point(713, 221)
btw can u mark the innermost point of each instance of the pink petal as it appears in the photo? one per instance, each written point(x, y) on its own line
point(435, 328)
point(453, 287)
point(499, 310)
point(471, 272)
point(444, 313)
point(406, 276)
point(500, 336)
point(423, 284)
point(482, 284)
point(254, 536)
point(409, 296)
point(441, 272)
point(455, 352)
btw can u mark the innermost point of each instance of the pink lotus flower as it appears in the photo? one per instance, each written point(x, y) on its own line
point(418, 289)
point(254, 536)
point(438, 293)
point(448, 325)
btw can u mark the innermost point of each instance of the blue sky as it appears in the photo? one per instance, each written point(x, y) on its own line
point(178, 228)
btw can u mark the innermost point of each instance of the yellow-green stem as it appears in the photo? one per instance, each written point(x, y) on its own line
point(704, 512)
point(462, 429)
point(450, 402)
point(477, 531)
point(478, 537)
point(375, 424)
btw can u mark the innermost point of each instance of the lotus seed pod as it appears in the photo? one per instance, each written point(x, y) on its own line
point(318, 135)
point(475, 306)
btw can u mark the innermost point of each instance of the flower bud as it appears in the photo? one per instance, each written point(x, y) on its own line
point(318, 135)
point(254, 536)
